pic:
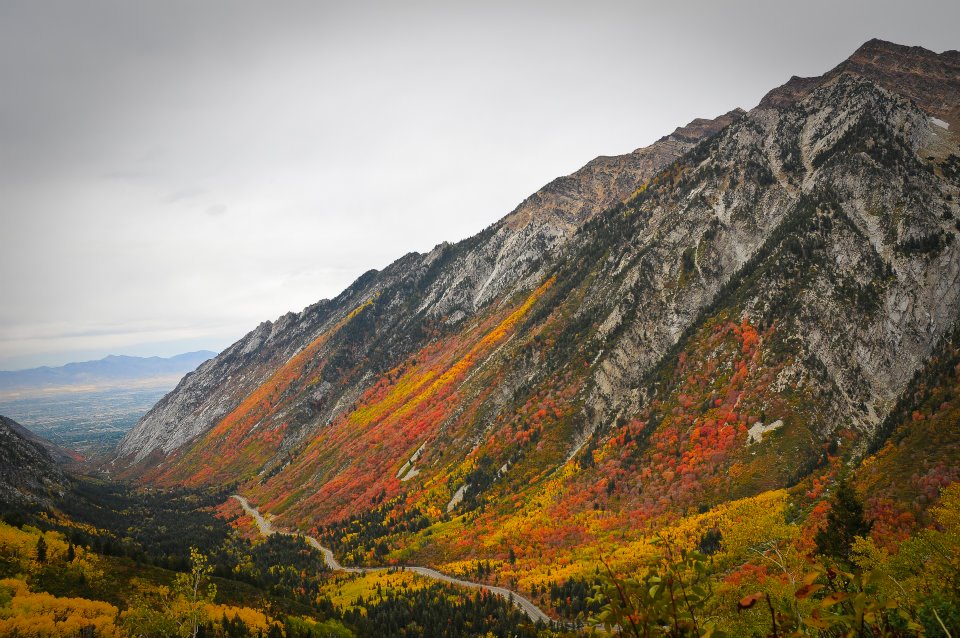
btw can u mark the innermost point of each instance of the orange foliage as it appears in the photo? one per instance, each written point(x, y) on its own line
point(354, 463)
point(230, 442)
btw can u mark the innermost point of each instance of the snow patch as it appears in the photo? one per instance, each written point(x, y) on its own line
point(940, 123)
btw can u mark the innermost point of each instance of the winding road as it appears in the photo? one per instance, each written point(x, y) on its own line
point(266, 528)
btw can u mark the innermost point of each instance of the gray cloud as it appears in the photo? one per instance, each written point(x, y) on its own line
point(172, 173)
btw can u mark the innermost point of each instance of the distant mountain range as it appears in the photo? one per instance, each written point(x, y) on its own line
point(111, 371)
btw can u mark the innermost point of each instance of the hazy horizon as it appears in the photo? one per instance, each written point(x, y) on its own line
point(175, 173)
point(114, 354)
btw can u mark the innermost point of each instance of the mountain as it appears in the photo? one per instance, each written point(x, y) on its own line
point(415, 297)
point(60, 455)
point(29, 473)
point(932, 81)
point(736, 309)
point(110, 371)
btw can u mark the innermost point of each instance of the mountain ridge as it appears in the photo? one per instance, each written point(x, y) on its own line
point(507, 252)
point(928, 78)
point(60, 454)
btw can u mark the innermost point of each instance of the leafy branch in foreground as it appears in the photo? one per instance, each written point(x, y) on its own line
point(674, 598)
point(837, 603)
point(669, 599)
point(865, 591)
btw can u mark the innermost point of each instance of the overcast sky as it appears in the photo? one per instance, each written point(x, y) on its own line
point(173, 173)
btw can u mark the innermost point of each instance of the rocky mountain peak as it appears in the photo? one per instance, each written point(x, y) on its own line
point(930, 79)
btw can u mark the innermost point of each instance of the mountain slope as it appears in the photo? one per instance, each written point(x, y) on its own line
point(415, 297)
point(753, 311)
point(28, 474)
point(60, 455)
point(619, 307)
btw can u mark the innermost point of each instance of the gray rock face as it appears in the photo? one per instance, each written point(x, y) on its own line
point(206, 395)
point(445, 286)
point(847, 171)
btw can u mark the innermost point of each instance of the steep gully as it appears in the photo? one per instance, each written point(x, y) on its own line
point(266, 528)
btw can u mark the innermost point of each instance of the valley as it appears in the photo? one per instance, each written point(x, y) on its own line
point(707, 388)
point(267, 529)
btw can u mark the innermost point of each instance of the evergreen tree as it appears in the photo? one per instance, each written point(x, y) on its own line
point(41, 549)
point(710, 542)
point(844, 522)
point(71, 553)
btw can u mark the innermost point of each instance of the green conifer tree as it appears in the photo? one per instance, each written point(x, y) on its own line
point(41, 549)
point(844, 522)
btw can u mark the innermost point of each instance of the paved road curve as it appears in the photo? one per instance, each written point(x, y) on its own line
point(522, 603)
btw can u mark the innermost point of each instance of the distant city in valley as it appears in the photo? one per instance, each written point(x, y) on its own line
point(87, 422)
point(88, 406)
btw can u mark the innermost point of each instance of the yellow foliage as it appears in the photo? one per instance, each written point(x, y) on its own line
point(947, 511)
point(748, 526)
point(18, 548)
point(254, 620)
point(344, 590)
point(41, 615)
point(750, 522)
point(482, 347)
